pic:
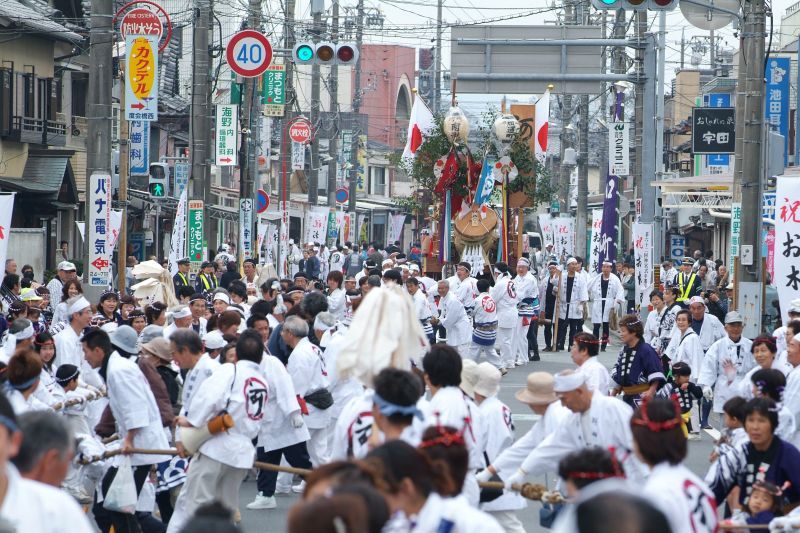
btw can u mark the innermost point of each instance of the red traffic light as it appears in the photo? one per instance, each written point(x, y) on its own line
point(345, 53)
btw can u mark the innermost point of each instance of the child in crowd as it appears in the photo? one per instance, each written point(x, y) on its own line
point(686, 392)
point(763, 505)
point(484, 328)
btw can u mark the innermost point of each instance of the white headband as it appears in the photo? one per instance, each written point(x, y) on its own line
point(79, 305)
point(183, 312)
point(568, 382)
point(11, 341)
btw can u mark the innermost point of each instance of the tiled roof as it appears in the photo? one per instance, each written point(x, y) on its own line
point(27, 17)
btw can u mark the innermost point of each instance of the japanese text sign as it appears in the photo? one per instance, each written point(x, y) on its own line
point(99, 229)
point(139, 151)
point(619, 148)
point(141, 87)
point(777, 104)
point(226, 135)
point(787, 242)
point(713, 130)
point(195, 228)
point(643, 258)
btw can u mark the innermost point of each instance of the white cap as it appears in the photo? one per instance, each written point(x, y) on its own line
point(222, 297)
point(66, 265)
point(181, 311)
point(79, 305)
point(794, 306)
point(488, 380)
point(213, 340)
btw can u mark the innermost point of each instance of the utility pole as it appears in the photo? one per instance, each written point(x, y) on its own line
point(317, 6)
point(640, 22)
point(200, 122)
point(351, 174)
point(283, 179)
point(570, 18)
point(437, 61)
point(248, 167)
point(750, 131)
point(333, 90)
point(583, 160)
point(658, 235)
point(99, 111)
point(122, 193)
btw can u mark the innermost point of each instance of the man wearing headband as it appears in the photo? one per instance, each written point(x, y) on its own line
point(198, 305)
point(573, 294)
point(20, 337)
point(638, 372)
point(605, 291)
point(504, 294)
point(462, 286)
point(596, 421)
point(528, 310)
point(450, 315)
point(668, 273)
point(68, 344)
point(394, 404)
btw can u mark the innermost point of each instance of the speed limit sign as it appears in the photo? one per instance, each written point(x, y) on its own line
point(249, 53)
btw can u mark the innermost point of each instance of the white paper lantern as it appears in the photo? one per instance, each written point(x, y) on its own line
point(506, 128)
point(456, 126)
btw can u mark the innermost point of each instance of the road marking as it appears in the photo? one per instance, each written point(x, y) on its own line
point(713, 433)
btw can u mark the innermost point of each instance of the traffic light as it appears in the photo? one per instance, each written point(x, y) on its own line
point(324, 53)
point(635, 5)
point(157, 184)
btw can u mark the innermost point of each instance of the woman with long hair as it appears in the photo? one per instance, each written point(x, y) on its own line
point(45, 346)
point(70, 289)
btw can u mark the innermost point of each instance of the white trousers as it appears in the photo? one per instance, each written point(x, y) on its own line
point(520, 342)
point(476, 350)
point(504, 347)
point(318, 446)
point(508, 520)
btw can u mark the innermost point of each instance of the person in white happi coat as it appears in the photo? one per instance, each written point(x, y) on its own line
point(337, 299)
point(336, 260)
point(504, 294)
point(791, 393)
point(368, 265)
point(660, 321)
point(309, 375)
point(573, 294)
point(181, 319)
point(539, 396)
point(449, 406)
point(484, 327)
point(462, 285)
point(605, 291)
point(527, 288)
point(668, 274)
point(765, 354)
point(137, 416)
point(726, 362)
point(685, 345)
point(222, 462)
point(780, 334)
point(68, 344)
point(596, 420)
point(683, 497)
point(422, 306)
point(198, 306)
point(584, 354)
point(451, 315)
point(342, 389)
point(294, 257)
point(500, 435)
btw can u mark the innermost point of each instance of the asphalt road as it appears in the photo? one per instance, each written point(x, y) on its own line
point(274, 520)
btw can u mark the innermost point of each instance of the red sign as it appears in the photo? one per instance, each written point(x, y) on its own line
point(100, 263)
point(300, 131)
point(141, 21)
point(249, 53)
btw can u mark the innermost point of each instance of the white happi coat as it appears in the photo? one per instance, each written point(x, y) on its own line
point(597, 375)
point(526, 287)
point(513, 457)
point(342, 389)
point(712, 372)
point(711, 331)
point(658, 327)
point(242, 390)
point(307, 369)
point(193, 381)
point(500, 435)
point(465, 290)
point(579, 295)
point(446, 514)
point(277, 430)
point(134, 407)
point(606, 424)
point(684, 498)
point(454, 318)
point(614, 295)
point(744, 386)
point(337, 303)
point(504, 294)
point(422, 306)
point(791, 399)
point(780, 338)
point(451, 407)
point(70, 351)
point(686, 348)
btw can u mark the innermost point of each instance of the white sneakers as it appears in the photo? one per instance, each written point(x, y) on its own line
point(299, 488)
point(263, 502)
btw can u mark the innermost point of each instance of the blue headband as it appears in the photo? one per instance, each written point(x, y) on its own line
point(389, 409)
point(26, 384)
point(10, 425)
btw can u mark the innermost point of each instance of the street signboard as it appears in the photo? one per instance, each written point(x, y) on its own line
point(298, 156)
point(226, 135)
point(194, 225)
point(736, 228)
point(246, 227)
point(342, 195)
point(262, 201)
point(713, 130)
point(300, 130)
point(619, 148)
point(181, 177)
point(273, 91)
point(99, 230)
point(139, 148)
point(141, 21)
point(249, 53)
point(777, 105)
point(141, 85)
point(677, 247)
point(718, 100)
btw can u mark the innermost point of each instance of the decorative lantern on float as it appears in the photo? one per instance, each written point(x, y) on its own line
point(456, 126)
point(506, 127)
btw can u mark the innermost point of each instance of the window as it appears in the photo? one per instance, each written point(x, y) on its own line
point(377, 180)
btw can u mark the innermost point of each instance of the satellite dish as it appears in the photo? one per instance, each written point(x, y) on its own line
point(702, 14)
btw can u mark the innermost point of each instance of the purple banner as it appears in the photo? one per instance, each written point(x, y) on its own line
point(610, 227)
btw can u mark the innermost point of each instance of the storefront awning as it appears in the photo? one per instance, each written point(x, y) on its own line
point(49, 177)
point(710, 191)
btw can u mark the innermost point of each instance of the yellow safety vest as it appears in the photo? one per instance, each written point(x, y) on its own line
point(206, 282)
point(684, 289)
point(185, 281)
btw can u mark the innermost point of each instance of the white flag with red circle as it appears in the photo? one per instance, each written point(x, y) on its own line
point(541, 121)
point(420, 124)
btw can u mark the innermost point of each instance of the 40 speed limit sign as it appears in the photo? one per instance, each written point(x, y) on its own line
point(249, 53)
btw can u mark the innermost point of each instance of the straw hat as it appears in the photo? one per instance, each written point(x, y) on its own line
point(159, 347)
point(538, 390)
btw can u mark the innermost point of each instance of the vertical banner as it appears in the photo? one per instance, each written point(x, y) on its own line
point(594, 248)
point(141, 84)
point(362, 228)
point(298, 156)
point(787, 238)
point(546, 226)
point(226, 137)
point(139, 150)
point(619, 148)
point(396, 224)
point(246, 214)
point(353, 230)
point(283, 244)
point(333, 229)
point(736, 229)
point(361, 167)
point(98, 232)
point(777, 106)
point(114, 224)
point(177, 244)
point(6, 210)
point(643, 259)
point(181, 177)
point(770, 255)
point(610, 226)
point(195, 233)
point(564, 236)
point(316, 224)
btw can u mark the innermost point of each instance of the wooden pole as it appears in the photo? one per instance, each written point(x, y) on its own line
point(122, 194)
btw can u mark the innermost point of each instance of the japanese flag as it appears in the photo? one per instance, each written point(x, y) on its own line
point(542, 118)
point(6, 208)
point(419, 124)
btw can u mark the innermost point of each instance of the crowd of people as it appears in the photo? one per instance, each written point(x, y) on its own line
point(380, 385)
